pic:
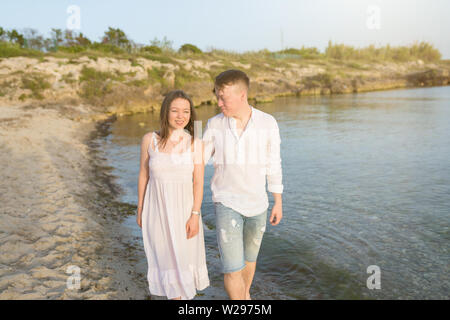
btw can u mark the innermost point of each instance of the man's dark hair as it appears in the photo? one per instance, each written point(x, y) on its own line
point(231, 77)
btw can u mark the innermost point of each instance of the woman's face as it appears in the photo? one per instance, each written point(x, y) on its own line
point(179, 114)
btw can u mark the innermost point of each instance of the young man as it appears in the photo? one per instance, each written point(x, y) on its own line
point(245, 143)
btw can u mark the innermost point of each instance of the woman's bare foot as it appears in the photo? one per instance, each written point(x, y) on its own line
point(248, 296)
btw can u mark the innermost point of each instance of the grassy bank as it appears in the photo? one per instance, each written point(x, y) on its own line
point(117, 75)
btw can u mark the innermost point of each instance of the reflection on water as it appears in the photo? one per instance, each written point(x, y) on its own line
point(367, 182)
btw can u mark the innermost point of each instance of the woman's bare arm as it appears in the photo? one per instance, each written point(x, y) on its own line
point(192, 225)
point(199, 171)
point(143, 171)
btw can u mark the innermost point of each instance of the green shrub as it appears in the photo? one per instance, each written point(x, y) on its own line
point(189, 48)
point(138, 83)
point(305, 53)
point(8, 49)
point(91, 74)
point(425, 51)
point(72, 49)
point(401, 54)
point(182, 77)
point(134, 63)
point(156, 75)
point(160, 58)
point(422, 50)
point(151, 49)
point(95, 84)
point(355, 65)
point(290, 51)
point(107, 48)
point(36, 83)
point(5, 85)
point(72, 61)
point(68, 78)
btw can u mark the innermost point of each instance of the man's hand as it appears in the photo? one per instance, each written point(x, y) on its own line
point(277, 214)
point(192, 226)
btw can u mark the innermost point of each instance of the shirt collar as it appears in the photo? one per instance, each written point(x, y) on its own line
point(252, 116)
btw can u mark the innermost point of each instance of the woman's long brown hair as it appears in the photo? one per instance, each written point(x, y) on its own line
point(164, 115)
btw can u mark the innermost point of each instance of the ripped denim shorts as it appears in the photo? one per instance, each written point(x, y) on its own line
point(239, 237)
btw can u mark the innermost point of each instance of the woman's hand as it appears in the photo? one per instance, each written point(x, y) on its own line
point(139, 218)
point(192, 226)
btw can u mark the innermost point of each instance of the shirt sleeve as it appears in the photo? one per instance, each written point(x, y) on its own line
point(208, 142)
point(274, 171)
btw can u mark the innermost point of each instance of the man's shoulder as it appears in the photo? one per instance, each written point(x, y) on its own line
point(217, 119)
point(267, 117)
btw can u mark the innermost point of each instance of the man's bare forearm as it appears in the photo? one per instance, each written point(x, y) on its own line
point(277, 198)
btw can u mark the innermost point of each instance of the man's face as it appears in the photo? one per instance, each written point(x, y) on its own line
point(230, 98)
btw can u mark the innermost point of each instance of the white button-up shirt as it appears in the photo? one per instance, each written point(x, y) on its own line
point(241, 163)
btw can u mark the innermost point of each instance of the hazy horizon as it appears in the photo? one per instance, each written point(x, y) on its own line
point(255, 24)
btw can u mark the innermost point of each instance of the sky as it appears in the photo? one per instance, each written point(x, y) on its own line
point(243, 25)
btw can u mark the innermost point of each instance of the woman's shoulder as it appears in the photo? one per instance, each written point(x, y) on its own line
point(147, 139)
point(148, 136)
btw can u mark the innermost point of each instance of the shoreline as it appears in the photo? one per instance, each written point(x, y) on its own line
point(120, 112)
point(58, 210)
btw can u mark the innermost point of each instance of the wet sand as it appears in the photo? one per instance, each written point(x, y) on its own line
point(57, 210)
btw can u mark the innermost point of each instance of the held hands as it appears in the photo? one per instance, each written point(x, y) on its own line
point(277, 214)
point(192, 226)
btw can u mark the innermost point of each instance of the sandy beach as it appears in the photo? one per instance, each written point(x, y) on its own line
point(56, 210)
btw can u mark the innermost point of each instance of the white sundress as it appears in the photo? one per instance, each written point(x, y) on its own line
point(176, 265)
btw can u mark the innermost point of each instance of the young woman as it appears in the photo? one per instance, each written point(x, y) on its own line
point(170, 190)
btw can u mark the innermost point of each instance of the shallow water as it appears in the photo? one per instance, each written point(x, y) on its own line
point(367, 182)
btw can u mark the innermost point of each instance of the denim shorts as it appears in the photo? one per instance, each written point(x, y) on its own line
point(239, 237)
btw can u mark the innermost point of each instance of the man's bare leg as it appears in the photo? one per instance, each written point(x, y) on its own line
point(248, 273)
point(234, 285)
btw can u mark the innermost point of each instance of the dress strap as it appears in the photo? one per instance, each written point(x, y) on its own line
point(155, 142)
